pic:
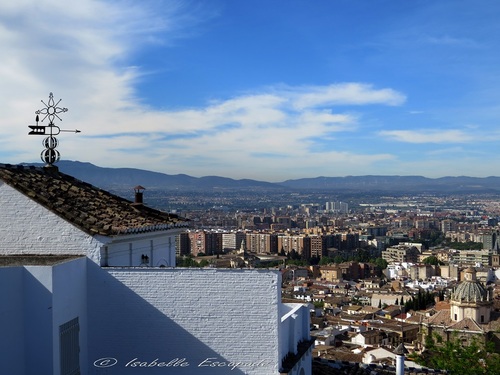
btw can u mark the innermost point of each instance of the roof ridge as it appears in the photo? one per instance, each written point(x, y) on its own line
point(93, 210)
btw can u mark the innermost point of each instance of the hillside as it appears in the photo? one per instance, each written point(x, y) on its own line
point(126, 178)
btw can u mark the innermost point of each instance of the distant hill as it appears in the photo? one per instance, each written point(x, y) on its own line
point(127, 178)
point(461, 184)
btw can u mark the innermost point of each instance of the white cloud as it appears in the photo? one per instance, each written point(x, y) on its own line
point(79, 52)
point(428, 136)
point(346, 94)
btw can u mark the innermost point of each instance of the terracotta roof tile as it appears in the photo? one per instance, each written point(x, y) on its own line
point(91, 209)
point(442, 317)
point(466, 324)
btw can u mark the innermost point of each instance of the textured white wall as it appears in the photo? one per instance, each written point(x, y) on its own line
point(29, 228)
point(127, 250)
point(205, 319)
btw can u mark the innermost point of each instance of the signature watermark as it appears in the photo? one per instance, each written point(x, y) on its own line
point(107, 362)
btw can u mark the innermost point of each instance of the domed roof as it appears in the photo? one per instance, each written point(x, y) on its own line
point(470, 290)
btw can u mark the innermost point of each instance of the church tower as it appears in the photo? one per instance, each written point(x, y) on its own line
point(471, 300)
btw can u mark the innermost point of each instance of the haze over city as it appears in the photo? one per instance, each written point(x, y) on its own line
point(255, 89)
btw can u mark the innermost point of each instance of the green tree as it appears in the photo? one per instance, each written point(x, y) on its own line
point(186, 262)
point(475, 358)
point(203, 263)
point(381, 265)
point(339, 259)
point(432, 260)
point(469, 245)
point(319, 304)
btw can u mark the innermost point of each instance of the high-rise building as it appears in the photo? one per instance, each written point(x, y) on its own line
point(182, 246)
point(197, 242)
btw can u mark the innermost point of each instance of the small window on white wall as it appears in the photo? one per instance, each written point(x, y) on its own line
point(69, 347)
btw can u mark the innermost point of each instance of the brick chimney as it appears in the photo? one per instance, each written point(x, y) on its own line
point(139, 190)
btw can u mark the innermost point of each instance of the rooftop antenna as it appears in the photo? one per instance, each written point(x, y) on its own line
point(51, 111)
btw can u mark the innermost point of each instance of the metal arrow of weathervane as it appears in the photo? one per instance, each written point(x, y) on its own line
point(50, 155)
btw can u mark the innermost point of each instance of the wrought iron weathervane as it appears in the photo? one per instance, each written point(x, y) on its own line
point(50, 155)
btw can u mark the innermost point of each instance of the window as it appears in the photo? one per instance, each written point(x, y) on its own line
point(69, 347)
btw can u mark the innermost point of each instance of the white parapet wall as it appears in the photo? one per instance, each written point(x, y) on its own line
point(186, 321)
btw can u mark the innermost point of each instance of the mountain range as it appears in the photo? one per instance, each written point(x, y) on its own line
point(117, 178)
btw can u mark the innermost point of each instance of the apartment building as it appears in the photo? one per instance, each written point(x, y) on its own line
point(401, 253)
point(232, 241)
point(261, 243)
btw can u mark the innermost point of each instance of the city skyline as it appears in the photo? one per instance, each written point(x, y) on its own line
point(259, 90)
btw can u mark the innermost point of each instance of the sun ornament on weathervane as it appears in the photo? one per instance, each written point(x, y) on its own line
point(50, 155)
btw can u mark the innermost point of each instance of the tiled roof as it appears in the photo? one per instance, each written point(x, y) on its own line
point(442, 317)
point(466, 324)
point(93, 210)
point(415, 319)
point(34, 260)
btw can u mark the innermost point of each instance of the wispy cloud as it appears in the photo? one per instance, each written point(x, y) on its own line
point(89, 54)
point(345, 94)
point(448, 40)
point(83, 58)
point(428, 136)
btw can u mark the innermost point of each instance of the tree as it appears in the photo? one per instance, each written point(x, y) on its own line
point(325, 261)
point(186, 262)
point(381, 265)
point(459, 359)
point(432, 260)
point(339, 259)
point(293, 255)
point(319, 304)
point(203, 263)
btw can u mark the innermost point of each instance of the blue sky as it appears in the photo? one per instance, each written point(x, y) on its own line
point(268, 90)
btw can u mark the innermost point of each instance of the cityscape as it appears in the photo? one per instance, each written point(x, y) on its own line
point(249, 188)
point(378, 282)
point(380, 270)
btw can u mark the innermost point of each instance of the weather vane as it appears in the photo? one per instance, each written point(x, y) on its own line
point(50, 155)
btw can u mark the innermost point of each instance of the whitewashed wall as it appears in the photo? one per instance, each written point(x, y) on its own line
point(12, 357)
point(69, 301)
point(29, 228)
point(294, 328)
point(126, 250)
point(38, 300)
point(196, 321)
point(37, 312)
